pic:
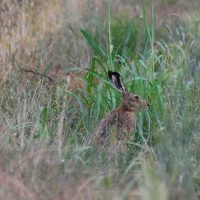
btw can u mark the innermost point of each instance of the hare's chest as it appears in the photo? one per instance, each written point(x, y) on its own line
point(126, 121)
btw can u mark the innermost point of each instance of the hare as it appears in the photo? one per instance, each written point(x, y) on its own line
point(122, 120)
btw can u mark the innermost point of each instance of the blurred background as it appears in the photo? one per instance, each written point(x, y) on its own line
point(28, 27)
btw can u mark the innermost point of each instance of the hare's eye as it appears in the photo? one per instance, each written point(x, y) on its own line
point(137, 97)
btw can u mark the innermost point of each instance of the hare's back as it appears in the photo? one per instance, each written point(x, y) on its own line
point(102, 129)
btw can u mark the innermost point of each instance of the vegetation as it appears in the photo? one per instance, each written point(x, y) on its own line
point(46, 122)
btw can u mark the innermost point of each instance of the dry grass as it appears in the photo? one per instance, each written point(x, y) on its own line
point(45, 126)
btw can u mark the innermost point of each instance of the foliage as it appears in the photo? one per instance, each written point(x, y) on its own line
point(46, 128)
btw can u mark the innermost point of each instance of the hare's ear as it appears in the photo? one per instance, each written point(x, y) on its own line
point(116, 80)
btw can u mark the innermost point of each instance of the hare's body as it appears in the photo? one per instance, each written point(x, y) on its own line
point(120, 122)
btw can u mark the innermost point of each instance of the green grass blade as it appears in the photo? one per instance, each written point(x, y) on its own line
point(93, 44)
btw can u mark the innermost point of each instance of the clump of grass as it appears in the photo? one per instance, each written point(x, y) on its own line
point(162, 74)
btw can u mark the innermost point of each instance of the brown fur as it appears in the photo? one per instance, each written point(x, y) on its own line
point(119, 123)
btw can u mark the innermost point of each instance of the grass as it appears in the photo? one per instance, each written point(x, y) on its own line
point(46, 128)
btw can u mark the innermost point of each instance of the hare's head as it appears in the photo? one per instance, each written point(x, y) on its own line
point(131, 102)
